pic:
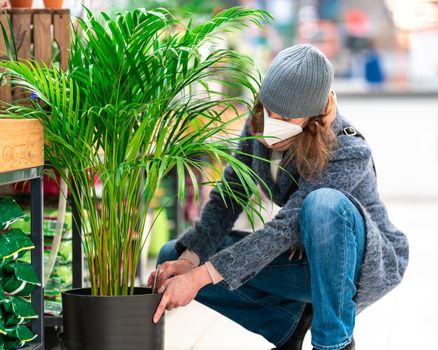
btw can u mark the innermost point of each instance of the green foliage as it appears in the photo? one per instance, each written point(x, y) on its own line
point(183, 7)
point(136, 102)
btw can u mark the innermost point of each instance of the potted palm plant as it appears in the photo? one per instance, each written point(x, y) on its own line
point(136, 102)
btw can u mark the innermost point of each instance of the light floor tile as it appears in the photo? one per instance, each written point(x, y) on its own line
point(229, 335)
point(187, 325)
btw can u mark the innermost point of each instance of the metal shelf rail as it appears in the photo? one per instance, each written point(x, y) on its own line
point(35, 176)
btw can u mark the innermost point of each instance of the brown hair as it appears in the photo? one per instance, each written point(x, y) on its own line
point(311, 149)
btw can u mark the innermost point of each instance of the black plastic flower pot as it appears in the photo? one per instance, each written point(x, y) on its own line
point(111, 323)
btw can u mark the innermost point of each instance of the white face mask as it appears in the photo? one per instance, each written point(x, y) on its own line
point(278, 130)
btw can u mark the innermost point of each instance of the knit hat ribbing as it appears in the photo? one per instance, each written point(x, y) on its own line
point(297, 83)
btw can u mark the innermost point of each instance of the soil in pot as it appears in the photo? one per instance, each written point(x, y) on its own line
point(111, 323)
point(53, 4)
point(21, 3)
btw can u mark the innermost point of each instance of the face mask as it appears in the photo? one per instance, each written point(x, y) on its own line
point(278, 130)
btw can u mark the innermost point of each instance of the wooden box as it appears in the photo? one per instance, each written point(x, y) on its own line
point(21, 144)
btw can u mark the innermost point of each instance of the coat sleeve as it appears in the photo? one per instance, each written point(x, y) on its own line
point(218, 216)
point(243, 260)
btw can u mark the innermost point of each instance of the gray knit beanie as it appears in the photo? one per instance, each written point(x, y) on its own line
point(297, 83)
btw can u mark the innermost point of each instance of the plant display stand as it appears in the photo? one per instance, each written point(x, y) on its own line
point(22, 159)
point(35, 31)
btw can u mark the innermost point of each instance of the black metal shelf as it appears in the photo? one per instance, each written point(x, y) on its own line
point(33, 346)
point(20, 175)
point(35, 177)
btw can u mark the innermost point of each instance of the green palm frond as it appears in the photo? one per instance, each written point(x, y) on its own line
point(139, 99)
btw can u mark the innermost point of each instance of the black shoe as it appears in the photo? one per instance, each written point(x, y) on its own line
point(351, 346)
point(295, 342)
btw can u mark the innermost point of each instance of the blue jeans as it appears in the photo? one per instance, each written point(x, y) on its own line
point(271, 304)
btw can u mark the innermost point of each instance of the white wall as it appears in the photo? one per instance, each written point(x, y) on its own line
point(403, 133)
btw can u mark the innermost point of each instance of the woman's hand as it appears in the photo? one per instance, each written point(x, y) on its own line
point(168, 270)
point(181, 290)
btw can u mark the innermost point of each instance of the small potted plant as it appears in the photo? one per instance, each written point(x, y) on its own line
point(21, 3)
point(53, 4)
point(136, 102)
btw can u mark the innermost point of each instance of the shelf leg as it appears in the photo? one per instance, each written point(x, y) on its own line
point(36, 217)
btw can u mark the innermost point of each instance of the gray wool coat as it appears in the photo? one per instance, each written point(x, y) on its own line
point(350, 170)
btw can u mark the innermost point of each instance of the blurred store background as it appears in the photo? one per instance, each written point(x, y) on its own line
point(374, 44)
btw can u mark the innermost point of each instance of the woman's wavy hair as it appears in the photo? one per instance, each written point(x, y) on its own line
point(311, 149)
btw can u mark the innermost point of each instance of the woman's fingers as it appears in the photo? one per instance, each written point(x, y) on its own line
point(170, 306)
point(166, 302)
point(177, 291)
point(161, 289)
point(161, 307)
point(165, 271)
point(151, 278)
point(159, 276)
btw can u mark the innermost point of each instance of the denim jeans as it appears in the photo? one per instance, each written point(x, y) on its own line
point(271, 304)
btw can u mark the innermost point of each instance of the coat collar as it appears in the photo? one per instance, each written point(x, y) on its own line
point(263, 169)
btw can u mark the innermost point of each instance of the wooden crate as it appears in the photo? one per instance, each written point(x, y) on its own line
point(21, 144)
point(34, 32)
